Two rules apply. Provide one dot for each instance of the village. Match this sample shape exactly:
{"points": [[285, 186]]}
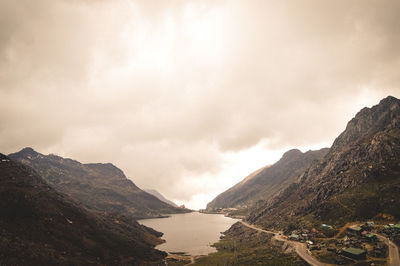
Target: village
{"points": [[351, 244]]}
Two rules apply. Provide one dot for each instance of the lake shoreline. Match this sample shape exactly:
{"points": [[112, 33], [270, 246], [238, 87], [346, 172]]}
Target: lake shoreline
{"points": [[190, 234]]}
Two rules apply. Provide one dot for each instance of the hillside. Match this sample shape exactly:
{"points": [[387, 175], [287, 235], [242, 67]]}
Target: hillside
{"points": [[359, 178], [101, 187], [265, 182], [160, 196], [39, 226]]}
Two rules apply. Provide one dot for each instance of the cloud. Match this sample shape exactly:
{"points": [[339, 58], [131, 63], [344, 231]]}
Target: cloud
{"points": [[166, 90]]}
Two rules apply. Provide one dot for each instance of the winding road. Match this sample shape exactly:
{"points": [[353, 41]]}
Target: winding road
{"points": [[300, 248], [305, 254], [394, 259]]}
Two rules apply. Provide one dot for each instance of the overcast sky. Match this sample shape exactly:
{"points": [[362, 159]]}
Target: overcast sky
{"points": [[188, 97]]}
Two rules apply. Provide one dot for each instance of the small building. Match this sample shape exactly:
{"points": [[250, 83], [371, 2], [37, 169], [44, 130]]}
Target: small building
{"points": [[356, 229], [314, 247], [331, 249], [326, 226], [370, 224], [294, 237], [354, 253], [371, 237]]}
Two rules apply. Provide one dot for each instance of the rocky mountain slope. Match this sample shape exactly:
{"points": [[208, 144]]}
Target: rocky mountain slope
{"points": [[359, 178], [101, 187], [265, 182], [160, 196], [39, 226]]}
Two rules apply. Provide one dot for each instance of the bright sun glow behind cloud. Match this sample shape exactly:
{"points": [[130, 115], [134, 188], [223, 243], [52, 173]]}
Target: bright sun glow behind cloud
{"points": [[198, 36], [209, 31]]}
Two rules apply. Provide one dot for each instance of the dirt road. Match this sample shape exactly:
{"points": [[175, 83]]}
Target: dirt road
{"points": [[300, 248], [305, 254], [393, 259]]}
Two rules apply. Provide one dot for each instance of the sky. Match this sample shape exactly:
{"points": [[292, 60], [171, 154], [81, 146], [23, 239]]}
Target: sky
{"points": [[189, 97]]}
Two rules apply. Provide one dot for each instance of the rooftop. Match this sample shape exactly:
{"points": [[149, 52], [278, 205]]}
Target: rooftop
{"points": [[355, 251]]}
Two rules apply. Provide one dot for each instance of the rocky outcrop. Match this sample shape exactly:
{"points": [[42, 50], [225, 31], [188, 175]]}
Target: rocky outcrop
{"points": [[358, 179], [264, 183], [102, 187]]}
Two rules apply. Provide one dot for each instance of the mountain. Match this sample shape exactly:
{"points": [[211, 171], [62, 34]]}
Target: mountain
{"points": [[359, 178], [101, 187], [39, 226], [160, 196], [265, 182]]}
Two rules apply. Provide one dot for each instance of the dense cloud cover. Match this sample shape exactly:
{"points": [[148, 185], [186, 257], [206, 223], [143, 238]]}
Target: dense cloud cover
{"points": [[178, 93]]}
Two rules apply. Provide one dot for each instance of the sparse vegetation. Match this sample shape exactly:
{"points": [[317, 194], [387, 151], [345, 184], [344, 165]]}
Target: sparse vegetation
{"points": [[40, 226], [101, 187], [244, 246]]}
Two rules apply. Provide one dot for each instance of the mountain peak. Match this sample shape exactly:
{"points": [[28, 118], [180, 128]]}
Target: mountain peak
{"points": [[385, 115], [291, 153], [28, 151], [389, 100]]}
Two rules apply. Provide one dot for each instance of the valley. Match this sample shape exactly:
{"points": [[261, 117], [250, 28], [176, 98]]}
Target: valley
{"points": [[357, 179], [333, 206], [199, 132]]}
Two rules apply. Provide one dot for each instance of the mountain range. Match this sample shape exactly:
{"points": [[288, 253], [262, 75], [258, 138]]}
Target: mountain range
{"points": [[357, 179], [101, 187], [265, 182], [58, 211], [40, 226]]}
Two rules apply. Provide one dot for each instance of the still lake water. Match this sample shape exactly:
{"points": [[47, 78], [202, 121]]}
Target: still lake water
{"points": [[192, 233]]}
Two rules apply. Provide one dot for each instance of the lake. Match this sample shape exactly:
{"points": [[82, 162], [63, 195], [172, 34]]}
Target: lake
{"points": [[192, 233]]}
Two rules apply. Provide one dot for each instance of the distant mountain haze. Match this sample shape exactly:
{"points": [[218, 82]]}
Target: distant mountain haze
{"points": [[102, 187], [40, 226], [358, 179], [160, 196], [265, 182]]}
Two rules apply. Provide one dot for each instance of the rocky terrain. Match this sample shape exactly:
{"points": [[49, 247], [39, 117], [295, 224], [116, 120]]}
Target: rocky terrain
{"points": [[359, 178], [101, 187], [39, 226], [264, 183], [160, 196]]}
